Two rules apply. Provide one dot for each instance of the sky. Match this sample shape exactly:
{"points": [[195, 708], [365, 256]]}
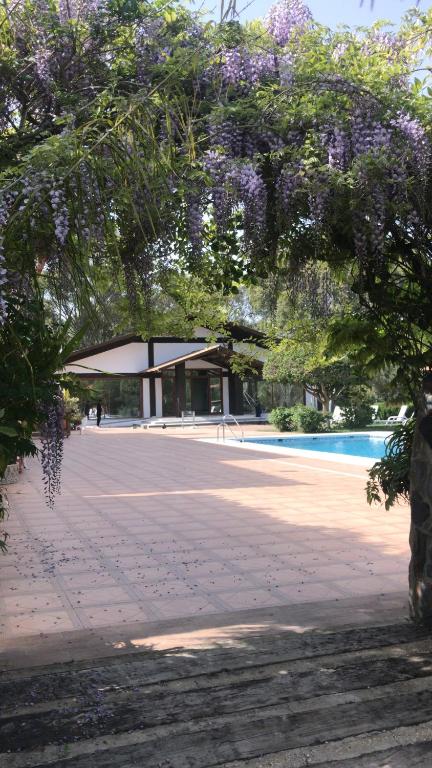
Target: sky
{"points": [[332, 12]]}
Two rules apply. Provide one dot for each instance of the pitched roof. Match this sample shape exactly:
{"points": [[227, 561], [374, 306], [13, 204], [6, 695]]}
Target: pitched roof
{"points": [[218, 354], [199, 353], [234, 330], [104, 346]]}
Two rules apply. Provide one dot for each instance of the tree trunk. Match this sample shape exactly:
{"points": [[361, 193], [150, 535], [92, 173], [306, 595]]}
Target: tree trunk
{"points": [[324, 400], [420, 569]]}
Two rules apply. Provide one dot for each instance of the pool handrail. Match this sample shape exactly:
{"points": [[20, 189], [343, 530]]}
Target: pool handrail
{"points": [[224, 424]]}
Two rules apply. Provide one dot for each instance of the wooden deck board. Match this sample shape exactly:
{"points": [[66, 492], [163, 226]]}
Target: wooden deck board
{"points": [[271, 700]]}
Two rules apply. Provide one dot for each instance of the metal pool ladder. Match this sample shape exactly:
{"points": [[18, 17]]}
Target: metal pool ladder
{"points": [[225, 424]]}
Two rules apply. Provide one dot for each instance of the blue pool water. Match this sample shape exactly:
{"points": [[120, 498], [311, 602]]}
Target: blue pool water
{"points": [[350, 445]]}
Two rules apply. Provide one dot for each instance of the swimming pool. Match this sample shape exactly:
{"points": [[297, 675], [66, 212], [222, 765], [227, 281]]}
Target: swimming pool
{"points": [[356, 445]]}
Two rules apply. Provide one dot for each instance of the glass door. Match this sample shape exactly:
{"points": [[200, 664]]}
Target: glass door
{"points": [[168, 393], [199, 395], [215, 387]]}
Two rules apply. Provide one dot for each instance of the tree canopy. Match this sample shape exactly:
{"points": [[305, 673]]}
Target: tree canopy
{"points": [[138, 139]]}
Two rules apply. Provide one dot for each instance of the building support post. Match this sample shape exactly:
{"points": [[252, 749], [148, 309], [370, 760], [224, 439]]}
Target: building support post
{"points": [[235, 388], [180, 388], [152, 385]]}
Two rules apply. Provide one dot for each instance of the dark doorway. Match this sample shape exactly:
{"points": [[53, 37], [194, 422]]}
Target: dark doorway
{"points": [[200, 395]]}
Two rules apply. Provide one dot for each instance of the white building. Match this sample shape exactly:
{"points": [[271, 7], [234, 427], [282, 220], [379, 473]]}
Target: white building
{"points": [[163, 376]]}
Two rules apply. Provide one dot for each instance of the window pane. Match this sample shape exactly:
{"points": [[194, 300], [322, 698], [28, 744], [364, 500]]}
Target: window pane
{"points": [[168, 394], [215, 394], [249, 395], [120, 397]]}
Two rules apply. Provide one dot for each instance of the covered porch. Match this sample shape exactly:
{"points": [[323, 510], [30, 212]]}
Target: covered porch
{"points": [[200, 382]]}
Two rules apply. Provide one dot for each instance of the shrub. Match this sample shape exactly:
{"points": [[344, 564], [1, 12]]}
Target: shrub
{"points": [[357, 415], [390, 478], [71, 408], [282, 419], [306, 419]]}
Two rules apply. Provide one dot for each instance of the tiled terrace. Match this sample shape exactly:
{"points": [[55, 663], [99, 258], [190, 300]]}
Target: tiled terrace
{"points": [[154, 526]]}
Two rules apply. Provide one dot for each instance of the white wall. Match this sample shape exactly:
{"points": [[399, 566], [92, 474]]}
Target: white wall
{"points": [[158, 391], [169, 350], [225, 394], [130, 358], [146, 398], [311, 401]]}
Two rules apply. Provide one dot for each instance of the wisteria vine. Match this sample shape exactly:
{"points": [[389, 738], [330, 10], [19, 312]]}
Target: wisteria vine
{"points": [[51, 453]]}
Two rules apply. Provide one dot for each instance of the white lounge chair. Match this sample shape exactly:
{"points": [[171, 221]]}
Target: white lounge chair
{"points": [[337, 415], [400, 418]]}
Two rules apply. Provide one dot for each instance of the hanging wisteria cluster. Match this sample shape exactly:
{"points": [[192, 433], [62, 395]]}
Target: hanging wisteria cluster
{"points": [[3, 271], [240, 66], [365, 138], [60, 213], [249, 190], [388, 43], [415, 134], [236, 149], [287, 18], [51, 453]]}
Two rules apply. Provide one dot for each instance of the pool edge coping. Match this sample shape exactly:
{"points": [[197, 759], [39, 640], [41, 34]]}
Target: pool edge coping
{"points": [[338, 458]]}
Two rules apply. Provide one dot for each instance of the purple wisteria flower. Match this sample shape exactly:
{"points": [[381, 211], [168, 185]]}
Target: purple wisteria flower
{"points": [[217, 166], [235, 66], [42, 58], [67, 10], [337, 143], [413, 131], [384, 42], [194, 222], [3, 271], [286, 17], [51, 454], [369, 135], [70, 10], [339, 51], [260, 66], [318, 201], [287, 186], [227, 135], [60, 214], [250, 191]]}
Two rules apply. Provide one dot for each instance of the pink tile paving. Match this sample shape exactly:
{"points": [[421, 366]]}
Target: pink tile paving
{"points": [[153, 526]]}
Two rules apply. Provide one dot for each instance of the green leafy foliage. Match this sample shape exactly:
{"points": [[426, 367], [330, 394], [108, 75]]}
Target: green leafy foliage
{"points": [[308, 419], [357, 415], [303, 360], [390, 478], [71, 408], [282, 419], [32, 354], [299, 418]]}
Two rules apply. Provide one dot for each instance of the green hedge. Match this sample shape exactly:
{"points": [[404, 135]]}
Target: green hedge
{"points": [[300, 418], [282, 419], [358, 415]]}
